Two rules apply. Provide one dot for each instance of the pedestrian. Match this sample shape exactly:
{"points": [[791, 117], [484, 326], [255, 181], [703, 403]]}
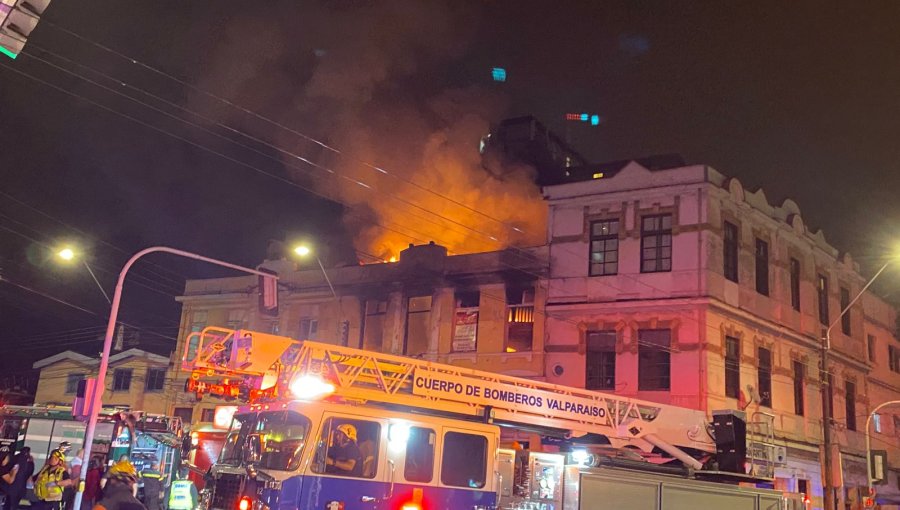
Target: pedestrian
{"points": [[7, 473], [91, 485], [152, 479], [120, 489], [24, 468], [50, 482], [75, 473]]}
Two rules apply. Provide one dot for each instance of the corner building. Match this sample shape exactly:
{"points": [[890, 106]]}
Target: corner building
{"points": [[674, 285], [680, 286]]}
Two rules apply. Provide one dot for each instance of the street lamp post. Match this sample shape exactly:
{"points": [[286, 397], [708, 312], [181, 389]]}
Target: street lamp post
{"points": [[869, 441], [107, 344], [826, 401], [303, 251], [68, 254]]}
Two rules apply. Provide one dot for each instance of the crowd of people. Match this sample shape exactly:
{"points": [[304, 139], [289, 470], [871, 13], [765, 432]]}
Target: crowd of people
{"points": [[54, 486]]}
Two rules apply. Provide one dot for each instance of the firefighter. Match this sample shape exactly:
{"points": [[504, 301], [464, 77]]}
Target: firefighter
{"points": [[344, 456], [120, 489], [182, 494], [50, 482], [152, 479]]}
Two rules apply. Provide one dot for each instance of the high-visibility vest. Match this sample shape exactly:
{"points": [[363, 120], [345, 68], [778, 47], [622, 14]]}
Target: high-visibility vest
{"points": [[180, 498]]}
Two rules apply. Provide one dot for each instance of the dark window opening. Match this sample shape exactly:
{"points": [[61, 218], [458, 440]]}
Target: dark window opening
{"points": [[850, 401], [656, 243], [762, 267], [870, 347], [464, 462], [309, 328], [654, 358], [72, 381], [373, 337], [799, 398], [795, 284], [604, 247], [418, 325], [601, 360], [732, 367], [156, 379], [122, 379], [764, 379], [845, 319], [822, 292], [730, 252], [208, 415], [185, 413]]}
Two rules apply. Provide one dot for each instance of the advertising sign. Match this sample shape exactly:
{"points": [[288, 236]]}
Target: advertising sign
{"points": [[465, 330]]}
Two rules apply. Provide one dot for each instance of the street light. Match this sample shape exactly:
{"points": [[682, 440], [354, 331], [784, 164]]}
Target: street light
{"points": [[869, 441], [107, 342], [303, 251], [826, 402], [68, 254]]}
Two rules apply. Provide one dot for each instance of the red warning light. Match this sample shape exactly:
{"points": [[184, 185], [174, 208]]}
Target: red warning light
{"points": [[244, 503]]}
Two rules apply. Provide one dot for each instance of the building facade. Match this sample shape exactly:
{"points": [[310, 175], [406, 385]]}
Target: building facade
{"points": [[674, 285], [137, 380]]}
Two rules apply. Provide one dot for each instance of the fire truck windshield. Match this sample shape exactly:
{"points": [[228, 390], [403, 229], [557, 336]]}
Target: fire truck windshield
{"points": [[282, 436]]}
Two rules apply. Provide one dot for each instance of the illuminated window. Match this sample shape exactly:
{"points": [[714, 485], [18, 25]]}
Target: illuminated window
{"points": [[656, 243], [419, 463], [876, 422], [604, 247], [498, 74], [519, 318], [654, 359]]}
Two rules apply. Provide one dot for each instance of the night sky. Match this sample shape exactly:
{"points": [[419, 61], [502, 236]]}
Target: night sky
{"points": [[800, 99]]}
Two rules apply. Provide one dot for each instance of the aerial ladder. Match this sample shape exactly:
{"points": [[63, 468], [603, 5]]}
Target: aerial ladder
{"points": [[261, 368]]}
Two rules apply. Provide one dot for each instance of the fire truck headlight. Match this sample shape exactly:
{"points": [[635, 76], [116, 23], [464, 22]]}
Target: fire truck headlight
{"points": [[398, 435], [580, 456], [309, 387]]}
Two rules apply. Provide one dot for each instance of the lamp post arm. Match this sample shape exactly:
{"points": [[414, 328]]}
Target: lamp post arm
{"points": [[853, 301], [108, 339], [91, 272]]}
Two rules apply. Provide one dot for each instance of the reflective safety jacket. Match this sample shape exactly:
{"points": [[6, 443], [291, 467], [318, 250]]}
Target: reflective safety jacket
{"points": [[183, 495]]}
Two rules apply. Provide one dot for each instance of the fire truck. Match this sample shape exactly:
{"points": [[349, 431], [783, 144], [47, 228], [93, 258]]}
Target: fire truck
{"points": [[327, 427]]}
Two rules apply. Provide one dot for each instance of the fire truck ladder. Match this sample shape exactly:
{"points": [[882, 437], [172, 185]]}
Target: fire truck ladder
{"points": [[259, 366]]}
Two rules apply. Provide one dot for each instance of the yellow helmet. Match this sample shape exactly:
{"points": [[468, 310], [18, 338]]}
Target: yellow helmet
{"points": [[348, 430], [58, 454], [123, 469]]}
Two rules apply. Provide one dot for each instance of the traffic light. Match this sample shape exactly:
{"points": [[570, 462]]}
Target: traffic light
{"points": [[17, 19]]}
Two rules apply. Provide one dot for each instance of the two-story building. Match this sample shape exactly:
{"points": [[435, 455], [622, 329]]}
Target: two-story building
{"points": [[137, 379]]}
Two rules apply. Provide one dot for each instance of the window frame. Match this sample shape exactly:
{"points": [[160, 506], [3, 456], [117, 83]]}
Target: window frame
{"points": [[764, 368], [324, 438], [822, 298], [845, 302], [453, 469], [207, 413], [850, 404], [654, 356], [795, 275], [659, 235], [799, 372], [603, 359], [115, 379], [871, 347], [430, 463], [731, 251], [149, 379], [761, 263], [71, 378], [605, 239], [521, 307], [732, 367]]}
